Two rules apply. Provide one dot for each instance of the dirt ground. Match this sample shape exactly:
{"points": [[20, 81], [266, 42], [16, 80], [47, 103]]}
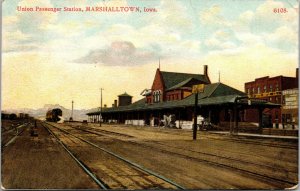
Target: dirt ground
{"points": [[211, 162], [40, 163], [171, 152]]}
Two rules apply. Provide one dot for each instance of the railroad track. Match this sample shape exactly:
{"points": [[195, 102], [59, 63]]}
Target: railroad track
{"points": [[224, 138], [258, 142], [84, 128], [217, 160], [234, 139], [147, 178], [9, 136], [209, 136]]}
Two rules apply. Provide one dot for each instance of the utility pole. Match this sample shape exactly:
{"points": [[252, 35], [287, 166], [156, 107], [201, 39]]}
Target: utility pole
{"points": [[72, 111], [100, 117], [195, 117]]}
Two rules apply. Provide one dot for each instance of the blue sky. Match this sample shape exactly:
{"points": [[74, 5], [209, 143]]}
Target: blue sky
{"points": [[241, 39]]}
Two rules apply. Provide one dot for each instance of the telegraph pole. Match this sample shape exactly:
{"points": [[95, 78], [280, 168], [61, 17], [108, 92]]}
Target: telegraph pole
{"points": [[100, 117], [195, 117], [72, 111]]}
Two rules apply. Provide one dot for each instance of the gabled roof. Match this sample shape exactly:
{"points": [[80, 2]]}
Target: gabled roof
{"points": [[214, 94], [182, 84], [220, 89], [173, 78]]}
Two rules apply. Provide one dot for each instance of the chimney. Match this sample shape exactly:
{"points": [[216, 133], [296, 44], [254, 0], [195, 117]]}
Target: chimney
{"points": [[205, 70], [105, 106], [116, 103]]}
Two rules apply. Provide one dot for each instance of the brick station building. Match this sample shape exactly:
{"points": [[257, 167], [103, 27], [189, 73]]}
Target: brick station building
{"points": [[171, 94], [269, 89]]}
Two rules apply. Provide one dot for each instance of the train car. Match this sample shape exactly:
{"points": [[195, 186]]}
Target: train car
{"points": [[53, 115]]}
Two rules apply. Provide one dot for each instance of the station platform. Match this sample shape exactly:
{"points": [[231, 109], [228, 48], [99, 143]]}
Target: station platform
{"points": [[252, 135]]}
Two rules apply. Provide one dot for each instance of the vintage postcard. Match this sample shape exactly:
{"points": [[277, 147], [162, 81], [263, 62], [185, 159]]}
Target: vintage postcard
{"points": [[149, 94]]}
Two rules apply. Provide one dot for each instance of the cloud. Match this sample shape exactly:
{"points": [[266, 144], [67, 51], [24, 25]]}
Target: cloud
{"points": [[171, 16], [119, 53], [114, 3], [248, 39], [10, 20], [284, 34], [213, 17], [25, 30], [33, 21], [283, 37], [221, 39], [239, 65], [268, 20]]}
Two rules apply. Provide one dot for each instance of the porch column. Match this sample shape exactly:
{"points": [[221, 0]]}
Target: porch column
{"points": [[230, 121], [236, 119], [179, 126], [260, 122]]}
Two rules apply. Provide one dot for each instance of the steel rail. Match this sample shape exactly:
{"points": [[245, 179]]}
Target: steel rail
{"points": [[203, 160], [99, 182], [96, 131], [193, 151], [18, 133], [269, 144], [125, 160], [13, 129]]}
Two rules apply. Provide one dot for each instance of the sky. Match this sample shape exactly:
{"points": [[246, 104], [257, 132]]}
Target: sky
{"points": [[56, 57]]}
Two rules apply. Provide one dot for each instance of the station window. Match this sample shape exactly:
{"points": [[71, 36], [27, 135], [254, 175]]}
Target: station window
{"points": [[159, 96], [265, 88], [277, 87], [258, 90], [156, 96], [271, 88]]}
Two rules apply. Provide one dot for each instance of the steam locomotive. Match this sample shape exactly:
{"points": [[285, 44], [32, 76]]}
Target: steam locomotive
{"points": [[53, 115]]}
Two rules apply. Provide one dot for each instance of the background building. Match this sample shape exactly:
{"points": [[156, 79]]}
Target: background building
{"points": [[269, 89], [290, 108]]}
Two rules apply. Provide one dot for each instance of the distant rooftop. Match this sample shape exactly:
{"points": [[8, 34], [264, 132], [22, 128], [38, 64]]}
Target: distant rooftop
{"points": [[124, 95]]}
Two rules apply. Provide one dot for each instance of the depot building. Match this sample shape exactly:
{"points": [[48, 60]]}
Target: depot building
{"points": [[171, 95]]}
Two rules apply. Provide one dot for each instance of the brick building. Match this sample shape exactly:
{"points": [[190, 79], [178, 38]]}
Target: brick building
{"points": [[269, 89], [169, 86], [171, 96]]}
